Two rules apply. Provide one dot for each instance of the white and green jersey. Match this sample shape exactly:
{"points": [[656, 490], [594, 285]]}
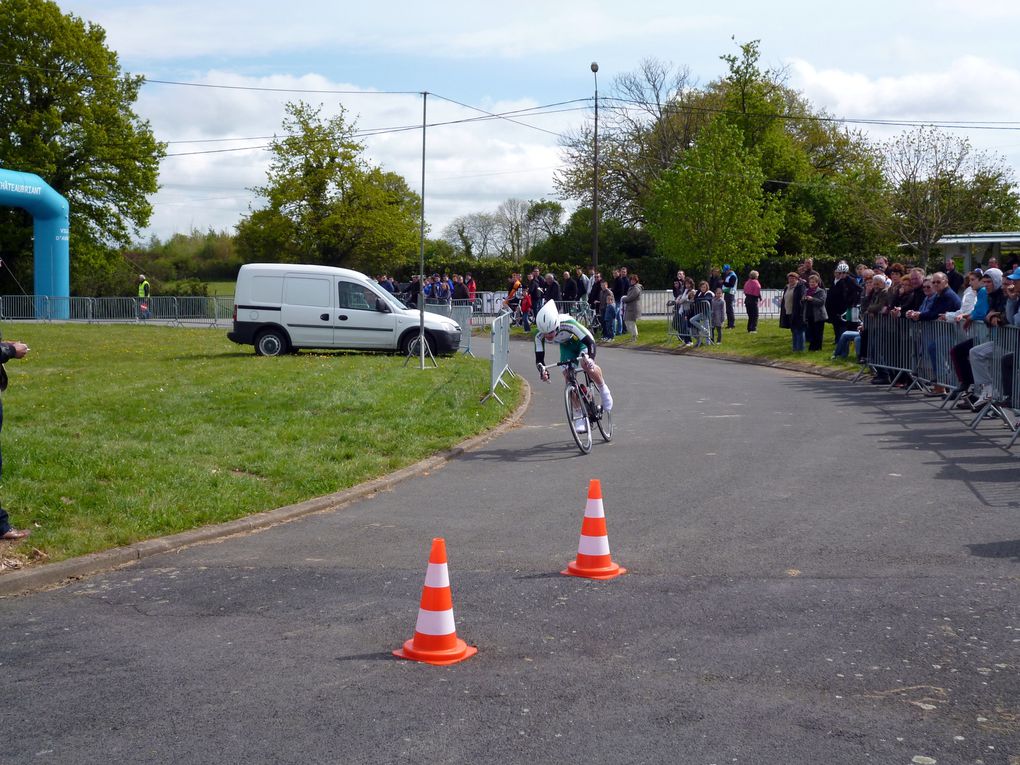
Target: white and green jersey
{"points": [[572, 338]]}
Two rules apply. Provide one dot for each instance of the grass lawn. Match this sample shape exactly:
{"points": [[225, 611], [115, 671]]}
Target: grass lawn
{"points": [[217, 289], [115, 434], [770, 342]]}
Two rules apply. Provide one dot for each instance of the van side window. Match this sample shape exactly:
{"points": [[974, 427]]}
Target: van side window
{"points": [[267, 289], [300, 290], [356, 296]]}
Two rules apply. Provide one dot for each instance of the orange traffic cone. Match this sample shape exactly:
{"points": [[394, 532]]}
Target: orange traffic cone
{"points": [[593, 559], [435, 636]]}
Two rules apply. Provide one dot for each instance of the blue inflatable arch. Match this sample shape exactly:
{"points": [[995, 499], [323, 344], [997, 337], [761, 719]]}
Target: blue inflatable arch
{"points": [[52, 230]]}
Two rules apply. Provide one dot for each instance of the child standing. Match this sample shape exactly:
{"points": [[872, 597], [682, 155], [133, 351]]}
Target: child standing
{"points": [[718, 315]]}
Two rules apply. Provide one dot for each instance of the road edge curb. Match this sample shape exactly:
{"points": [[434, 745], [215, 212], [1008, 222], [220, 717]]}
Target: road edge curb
{"points": [[34, 578]]}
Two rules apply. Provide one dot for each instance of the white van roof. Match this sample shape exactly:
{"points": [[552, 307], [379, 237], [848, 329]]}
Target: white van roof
{"points": [[299, 268]]}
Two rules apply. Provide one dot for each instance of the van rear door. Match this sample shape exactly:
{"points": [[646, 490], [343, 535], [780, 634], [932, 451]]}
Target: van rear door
{"points": [[364, 318], [307, 310]]}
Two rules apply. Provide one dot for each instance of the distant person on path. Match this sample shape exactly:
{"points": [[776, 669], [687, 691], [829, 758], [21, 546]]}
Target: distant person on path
{"points": [[144, 294], [752, 295], [815, 316], [718, 315], [621, 285], [729, 288], [8, 351], [791, 309], [608, 303], [632, 306]]}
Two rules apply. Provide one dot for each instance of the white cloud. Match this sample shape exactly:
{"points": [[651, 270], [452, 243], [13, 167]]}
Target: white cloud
{"points": [[968, 89], [470, 167], [451, 28]]}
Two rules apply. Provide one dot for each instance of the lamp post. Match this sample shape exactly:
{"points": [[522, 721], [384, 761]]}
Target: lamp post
{"points": [[595, 188]]}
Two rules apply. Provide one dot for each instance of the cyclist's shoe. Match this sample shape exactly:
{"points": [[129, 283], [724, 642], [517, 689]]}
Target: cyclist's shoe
{"points": [[607, 399], [581, 425]]}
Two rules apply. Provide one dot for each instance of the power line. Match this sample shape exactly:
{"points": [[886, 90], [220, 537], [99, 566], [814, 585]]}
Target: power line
{"points": [[488, 116], [1011, 125]]}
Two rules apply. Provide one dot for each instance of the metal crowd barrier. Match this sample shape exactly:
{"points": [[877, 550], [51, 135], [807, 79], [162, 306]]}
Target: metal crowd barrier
{"points": [[922, 350], [1005, 368], [162, 309], [458, 310], [691, 326], [488, 305], [500, 356]]}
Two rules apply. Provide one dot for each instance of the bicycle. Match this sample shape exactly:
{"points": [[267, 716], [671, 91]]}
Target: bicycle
{"points": [[514, 307], [586, 316], [582, 408]]}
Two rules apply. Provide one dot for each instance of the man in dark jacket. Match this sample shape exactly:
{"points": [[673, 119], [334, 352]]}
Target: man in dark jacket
{"points": [[841, 297], [552, 289], [569, 288], [955, 277], [535, 284], [621, 285], [729, 288]]}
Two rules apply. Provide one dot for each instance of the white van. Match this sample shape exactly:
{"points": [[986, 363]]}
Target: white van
{"points": [[280, 308]]}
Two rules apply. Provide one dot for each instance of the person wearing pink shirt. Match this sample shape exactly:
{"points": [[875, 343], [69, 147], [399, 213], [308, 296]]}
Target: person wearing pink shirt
{"points": [[752, 295]]}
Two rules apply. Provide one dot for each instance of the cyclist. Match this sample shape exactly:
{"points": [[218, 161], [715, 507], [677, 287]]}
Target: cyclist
{"points": [[576, 344]]}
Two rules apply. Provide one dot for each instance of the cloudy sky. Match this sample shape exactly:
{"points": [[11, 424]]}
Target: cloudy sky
{"points": [[953, 60]]}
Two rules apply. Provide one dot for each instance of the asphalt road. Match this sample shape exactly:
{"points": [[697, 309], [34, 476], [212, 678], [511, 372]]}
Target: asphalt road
{"points": [[818, 573]]}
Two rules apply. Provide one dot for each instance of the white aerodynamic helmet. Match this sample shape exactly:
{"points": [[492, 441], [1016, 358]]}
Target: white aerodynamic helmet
{"points": [[548, 319]]}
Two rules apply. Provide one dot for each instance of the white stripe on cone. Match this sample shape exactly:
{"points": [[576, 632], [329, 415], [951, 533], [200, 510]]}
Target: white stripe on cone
{"points": [[437, 575], [593, 545], [593, 509], [435, 622]]}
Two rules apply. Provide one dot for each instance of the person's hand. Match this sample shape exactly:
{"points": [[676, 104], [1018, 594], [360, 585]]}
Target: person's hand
{"points": [[20, 349]]}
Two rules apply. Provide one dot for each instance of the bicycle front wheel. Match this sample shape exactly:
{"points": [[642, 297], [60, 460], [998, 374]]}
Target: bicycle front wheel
{"points": [[577, 419]]}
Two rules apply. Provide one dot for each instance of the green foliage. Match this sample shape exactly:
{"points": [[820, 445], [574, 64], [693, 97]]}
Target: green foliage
{"points": [[619, 244], [66, 114], [710, 209], [185, 287], [325, 204], [936, 185]]}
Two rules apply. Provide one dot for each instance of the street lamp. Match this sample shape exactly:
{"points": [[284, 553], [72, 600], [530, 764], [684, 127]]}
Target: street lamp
{"points": [[595, 189]]}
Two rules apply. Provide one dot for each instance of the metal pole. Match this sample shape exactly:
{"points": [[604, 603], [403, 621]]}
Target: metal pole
{"points": [[421, 240], [595, 195]]}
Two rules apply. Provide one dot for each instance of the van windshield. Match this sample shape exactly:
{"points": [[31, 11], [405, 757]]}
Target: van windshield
{"points": [[393, 302]]}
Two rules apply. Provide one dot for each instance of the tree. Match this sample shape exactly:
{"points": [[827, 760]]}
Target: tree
{"points": [[473, 234], [650, 118], [66, 114], [514, 229], [937, 186], [326, 204], [710, 208]]}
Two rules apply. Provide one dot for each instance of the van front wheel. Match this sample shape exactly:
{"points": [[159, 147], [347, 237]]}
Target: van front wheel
{"points": [[409, 344], [270, 342]]}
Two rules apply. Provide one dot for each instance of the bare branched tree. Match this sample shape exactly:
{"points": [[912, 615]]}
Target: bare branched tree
{"points": [[649, 119], [939, 186]]}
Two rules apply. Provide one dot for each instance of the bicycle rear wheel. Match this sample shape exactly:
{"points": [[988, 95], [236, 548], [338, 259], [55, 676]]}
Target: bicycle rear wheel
{"points": [[577, 418]]}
